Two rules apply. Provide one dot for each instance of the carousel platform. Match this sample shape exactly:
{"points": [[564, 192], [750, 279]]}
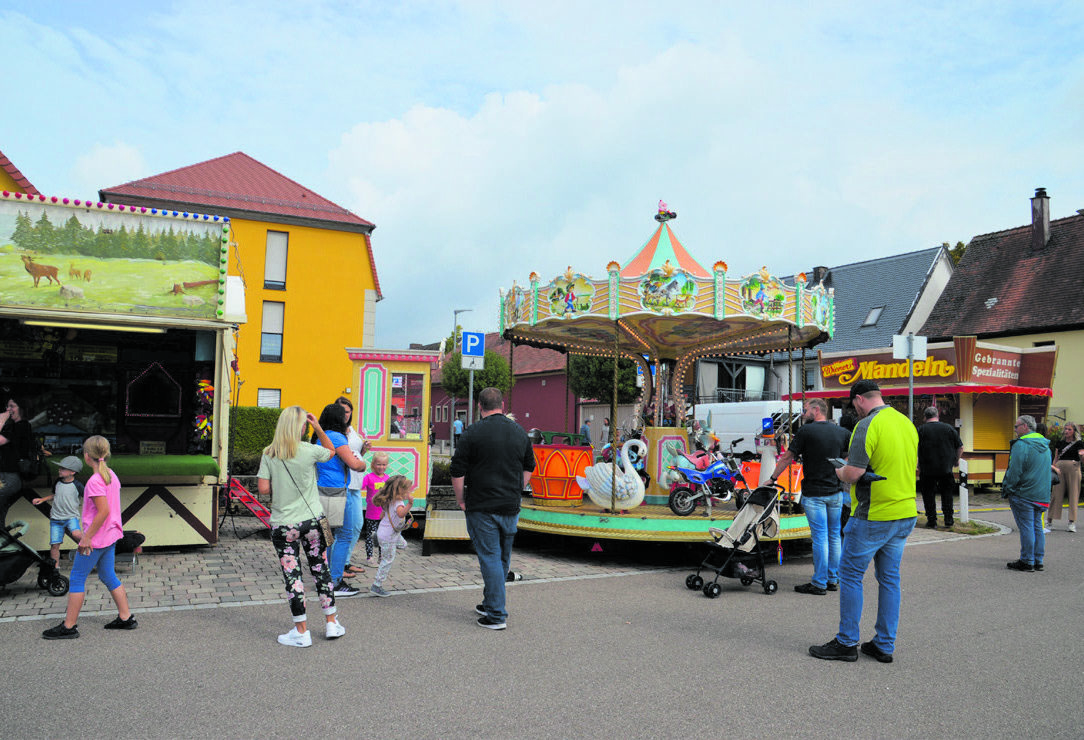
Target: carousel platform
{"points": [[647, 522]]}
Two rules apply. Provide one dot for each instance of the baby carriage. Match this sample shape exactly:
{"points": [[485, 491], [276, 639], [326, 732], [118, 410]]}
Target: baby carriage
{"points": [[735, 552], [16, 556]]}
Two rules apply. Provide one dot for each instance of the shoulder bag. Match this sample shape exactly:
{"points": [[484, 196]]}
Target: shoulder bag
{"points": [[325, 526]]}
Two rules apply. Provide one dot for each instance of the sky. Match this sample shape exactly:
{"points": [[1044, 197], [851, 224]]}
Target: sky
{"points": [[491, 139]]}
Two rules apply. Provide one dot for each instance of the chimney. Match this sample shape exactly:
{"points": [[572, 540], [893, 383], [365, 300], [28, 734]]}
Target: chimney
{"points": [[1040, 219], [820, 274]]}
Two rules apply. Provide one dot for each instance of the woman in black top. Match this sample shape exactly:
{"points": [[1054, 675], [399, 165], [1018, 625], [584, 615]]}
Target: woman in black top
{"points": [[1067, 464], [15, 439]]}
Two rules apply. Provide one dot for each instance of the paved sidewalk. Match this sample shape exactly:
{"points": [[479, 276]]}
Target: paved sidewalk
{"points": [[245, 571]]}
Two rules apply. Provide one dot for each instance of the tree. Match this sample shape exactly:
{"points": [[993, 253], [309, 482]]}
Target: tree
{"points": [[593, 377], [955, 252], [456, 381]]}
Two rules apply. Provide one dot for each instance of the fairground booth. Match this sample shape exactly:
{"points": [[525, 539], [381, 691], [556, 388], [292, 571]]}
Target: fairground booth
{"points": [[979, 387], [119, 321]]}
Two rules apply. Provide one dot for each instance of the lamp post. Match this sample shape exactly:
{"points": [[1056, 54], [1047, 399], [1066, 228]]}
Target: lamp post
{"points": [[455, 338]]}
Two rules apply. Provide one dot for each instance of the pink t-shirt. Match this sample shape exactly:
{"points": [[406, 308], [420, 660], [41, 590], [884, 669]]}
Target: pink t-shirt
{"points": [[112, 529], [371, 484]]}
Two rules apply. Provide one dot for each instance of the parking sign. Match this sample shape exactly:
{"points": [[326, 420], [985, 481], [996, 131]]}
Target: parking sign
{"points": [[474, 344]]}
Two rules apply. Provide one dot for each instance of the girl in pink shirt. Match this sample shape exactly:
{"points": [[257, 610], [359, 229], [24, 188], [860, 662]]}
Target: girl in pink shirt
{"points": [[101, 530], [371, 485]]}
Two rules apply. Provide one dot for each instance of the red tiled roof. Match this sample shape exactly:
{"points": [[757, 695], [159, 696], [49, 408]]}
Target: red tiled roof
{"points": [[527, 360], [237, 182], [1002, 286], [19, 178]]}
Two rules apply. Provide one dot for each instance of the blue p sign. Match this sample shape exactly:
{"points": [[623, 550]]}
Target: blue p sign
{"points": [[474, 344]]}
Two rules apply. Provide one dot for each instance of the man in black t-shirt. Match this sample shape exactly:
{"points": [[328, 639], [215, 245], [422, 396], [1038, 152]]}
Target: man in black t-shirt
{"points": [[939, 450], [815, 442]]}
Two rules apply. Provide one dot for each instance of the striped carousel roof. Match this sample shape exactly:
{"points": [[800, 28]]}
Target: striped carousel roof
{"points": [[663, 246]]}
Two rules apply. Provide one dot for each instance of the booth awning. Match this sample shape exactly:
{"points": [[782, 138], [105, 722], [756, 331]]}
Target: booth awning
{"points": [[931, 390]]}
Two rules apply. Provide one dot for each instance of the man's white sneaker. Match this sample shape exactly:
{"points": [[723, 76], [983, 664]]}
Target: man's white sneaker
{"points": [[1072, 526], [334, 629], [293, 638]]}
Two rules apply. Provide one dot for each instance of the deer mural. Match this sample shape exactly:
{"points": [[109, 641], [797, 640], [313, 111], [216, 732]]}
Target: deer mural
{"points": [[74, 273], [86, 274], [40, 271]]}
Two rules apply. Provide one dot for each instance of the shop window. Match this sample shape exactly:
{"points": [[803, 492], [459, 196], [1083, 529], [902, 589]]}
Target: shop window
{"points": [[274, 270], [271, 332], [873, 316], [269, 398], [810, 379], [992, 421]]}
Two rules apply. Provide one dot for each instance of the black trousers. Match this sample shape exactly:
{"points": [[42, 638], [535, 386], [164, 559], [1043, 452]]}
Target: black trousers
{"points": [[933, 486]]}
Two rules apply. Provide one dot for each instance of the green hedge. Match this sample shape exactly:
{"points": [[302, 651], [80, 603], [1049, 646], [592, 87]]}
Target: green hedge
{"points": [[252, 429]]}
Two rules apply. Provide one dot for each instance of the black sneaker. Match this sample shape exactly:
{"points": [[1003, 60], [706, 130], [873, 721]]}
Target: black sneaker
{"points": [[833, 650], [868, 648], [1020, 565], [490, 623], [833, 586], [809, 588], [1039, 567], [513, 576], [343, 590], [931, 524], [123, 624], [60, 632], [480, 610]]}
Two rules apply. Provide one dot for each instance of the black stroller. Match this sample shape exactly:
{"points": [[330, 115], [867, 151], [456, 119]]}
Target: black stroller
{"points": [[735, 552], [16, 556]]}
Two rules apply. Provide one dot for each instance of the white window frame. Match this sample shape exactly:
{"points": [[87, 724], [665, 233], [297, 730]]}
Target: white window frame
{"points": [[269, 398], [274, 265], [272, 323]]}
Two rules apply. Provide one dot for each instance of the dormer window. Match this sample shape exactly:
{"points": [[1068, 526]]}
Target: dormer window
{"points": [[873, 316]]}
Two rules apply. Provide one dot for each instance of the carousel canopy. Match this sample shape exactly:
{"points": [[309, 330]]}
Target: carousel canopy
{"points": [[663, 305]]}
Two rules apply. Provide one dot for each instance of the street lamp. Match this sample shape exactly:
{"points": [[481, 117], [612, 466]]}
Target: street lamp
{"points": [[455, 337]]}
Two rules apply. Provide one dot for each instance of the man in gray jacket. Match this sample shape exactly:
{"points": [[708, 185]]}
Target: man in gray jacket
{"points": [[1027, 486]]}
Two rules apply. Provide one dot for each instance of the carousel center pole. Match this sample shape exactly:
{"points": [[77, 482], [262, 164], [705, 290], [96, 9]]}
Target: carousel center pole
{"points": [[614, 452]]}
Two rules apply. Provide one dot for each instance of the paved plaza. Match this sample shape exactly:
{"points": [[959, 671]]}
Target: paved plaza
{"points": [[598, 645]]}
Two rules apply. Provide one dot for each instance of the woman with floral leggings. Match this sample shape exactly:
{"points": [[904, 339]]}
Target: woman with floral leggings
{"points": [[288, 473]]}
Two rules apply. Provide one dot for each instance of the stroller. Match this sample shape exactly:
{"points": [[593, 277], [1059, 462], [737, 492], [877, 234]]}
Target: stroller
{"points": [[731, 551], [16, 556]]}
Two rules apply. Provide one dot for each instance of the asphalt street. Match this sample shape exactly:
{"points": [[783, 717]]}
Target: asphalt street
{"points": [[982, 652]]}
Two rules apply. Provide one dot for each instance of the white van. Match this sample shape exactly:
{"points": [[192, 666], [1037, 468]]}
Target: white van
{"points": [[731, 421]]}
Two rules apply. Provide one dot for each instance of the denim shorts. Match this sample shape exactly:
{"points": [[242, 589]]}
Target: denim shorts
{"points": [[57, 528]]}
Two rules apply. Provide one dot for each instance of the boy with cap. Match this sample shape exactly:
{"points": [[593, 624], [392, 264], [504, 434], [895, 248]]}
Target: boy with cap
{"points": [[67, 505]]}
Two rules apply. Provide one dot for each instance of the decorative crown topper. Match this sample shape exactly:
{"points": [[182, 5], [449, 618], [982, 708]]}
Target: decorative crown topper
{"points": [[667, 269], [801, 277], [533, 277], [569, 276], [613, 266], [719, 266]]}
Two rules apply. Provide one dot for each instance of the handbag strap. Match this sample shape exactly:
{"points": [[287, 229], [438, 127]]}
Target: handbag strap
{"points": [[299, 493]]}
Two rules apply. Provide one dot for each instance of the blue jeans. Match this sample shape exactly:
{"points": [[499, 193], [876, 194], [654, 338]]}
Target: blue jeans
{"points": [[881, 542], [492, 536], [1029, 521], [347, 535], [822, 513]]}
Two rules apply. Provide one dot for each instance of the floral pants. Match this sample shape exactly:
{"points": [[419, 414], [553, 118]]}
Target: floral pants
{"points": [[290, 542]]}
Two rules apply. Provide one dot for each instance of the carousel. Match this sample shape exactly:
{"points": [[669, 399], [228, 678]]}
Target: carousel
{"points": [[664, 311]]}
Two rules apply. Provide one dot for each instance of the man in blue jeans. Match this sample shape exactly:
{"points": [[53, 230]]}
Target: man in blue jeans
{"points": [[883, 513], [1027, 486], [491, 467], [815, 442]]}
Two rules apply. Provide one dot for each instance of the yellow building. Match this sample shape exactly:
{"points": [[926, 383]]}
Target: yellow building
{"points": [[311, 282]]}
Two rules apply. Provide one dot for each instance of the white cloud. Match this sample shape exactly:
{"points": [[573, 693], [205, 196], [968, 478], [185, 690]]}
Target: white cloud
{"points": [[115, 164]]}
